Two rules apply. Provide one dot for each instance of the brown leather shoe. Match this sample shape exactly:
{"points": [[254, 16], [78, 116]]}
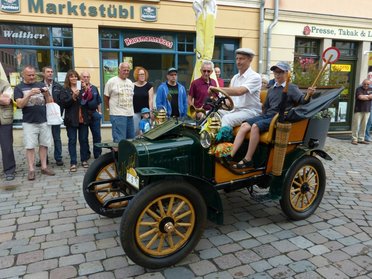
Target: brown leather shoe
{"points": [[363, 142], [31, 175], [48, 172]]}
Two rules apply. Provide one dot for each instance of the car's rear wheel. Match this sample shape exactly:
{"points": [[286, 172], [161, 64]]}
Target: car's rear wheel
{"points": [[303, 188], [163, 223], [104, 168]]}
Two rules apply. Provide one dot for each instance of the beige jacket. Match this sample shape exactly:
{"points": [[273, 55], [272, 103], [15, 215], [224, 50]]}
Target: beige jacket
{"points": [[6, 112]]}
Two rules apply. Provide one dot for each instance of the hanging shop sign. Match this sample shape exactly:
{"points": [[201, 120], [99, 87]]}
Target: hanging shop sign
{"points": [[10, 6]]}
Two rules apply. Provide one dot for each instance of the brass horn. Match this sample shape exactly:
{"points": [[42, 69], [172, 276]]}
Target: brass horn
{"points": [[194, 112]]}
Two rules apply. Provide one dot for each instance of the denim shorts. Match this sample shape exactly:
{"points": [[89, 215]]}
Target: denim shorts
{"points": [[262, 122]]}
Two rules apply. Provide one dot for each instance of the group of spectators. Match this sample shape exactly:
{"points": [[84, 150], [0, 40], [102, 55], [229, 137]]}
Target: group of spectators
{"points": [[80, 104]]}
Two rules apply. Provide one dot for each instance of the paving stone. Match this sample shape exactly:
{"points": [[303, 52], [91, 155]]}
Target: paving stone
{"points": [[63, 272], [132, 270], [301, 242], [102, 275], [179, 273], [318, 250], [114, 263], [6, 261], [83, 247], [350, 268], [284, 246], [227, 261], [260, 266], [356, 249], [30, 257], [56, 252], [302, 266], [42, 265], [336, 256], [308, 275], [90, 267], [279, 260], [71, 260], [210, 253], [266, 251], [37, 275], [152, 275], [203, 267], [220, 240], [229, 248], [331, 272]]}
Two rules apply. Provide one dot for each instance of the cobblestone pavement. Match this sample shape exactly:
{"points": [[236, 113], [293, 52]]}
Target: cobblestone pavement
{"points": [[47, 231]]}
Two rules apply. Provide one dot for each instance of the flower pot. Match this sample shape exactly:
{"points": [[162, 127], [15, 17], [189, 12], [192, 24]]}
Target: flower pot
{"points": [[316, 133]]}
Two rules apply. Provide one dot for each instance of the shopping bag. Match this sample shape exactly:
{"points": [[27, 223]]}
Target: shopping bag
{"points": [[53, 112]]}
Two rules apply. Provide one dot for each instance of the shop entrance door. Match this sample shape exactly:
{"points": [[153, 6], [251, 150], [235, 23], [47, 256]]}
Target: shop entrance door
{"points": [[342, 109]]}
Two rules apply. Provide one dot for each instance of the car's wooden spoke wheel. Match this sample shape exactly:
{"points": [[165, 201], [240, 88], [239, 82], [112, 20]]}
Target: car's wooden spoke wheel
{"points": [[165, 225], [305, 186], [106, 191]]}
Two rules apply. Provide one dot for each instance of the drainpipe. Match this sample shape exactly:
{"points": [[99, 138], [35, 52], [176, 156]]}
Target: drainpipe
{"points": [[269, 31], [261, 36]]}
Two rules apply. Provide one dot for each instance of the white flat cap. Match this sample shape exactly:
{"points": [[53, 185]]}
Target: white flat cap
{"points": [[245, 51]]}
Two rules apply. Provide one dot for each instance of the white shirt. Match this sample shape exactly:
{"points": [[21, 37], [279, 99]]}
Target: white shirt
{"points": [[251, 99], [120, 91]]}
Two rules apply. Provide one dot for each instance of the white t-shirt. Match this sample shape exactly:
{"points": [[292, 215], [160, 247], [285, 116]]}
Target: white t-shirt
{"points": [[120, 92], [251, 99]]}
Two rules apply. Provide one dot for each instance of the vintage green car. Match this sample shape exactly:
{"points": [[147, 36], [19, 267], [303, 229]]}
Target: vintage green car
{"points": [[166, 184]]}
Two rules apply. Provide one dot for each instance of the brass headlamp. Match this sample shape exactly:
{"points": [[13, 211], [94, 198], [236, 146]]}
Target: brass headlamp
{"points": [[210, 130]]}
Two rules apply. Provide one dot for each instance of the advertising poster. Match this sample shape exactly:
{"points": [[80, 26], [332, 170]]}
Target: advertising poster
{"points": [[110, 69], [342, 111]]}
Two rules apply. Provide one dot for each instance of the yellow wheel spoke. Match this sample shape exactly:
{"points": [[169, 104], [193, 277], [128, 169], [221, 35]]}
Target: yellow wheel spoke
{"points": [[153, 214], [150, 232], [151, 224], [310, 176], [151, 242], [183, 224], [109, 173], [161, 243], [302, 200], [180, 234], [297, 183], [170, 240], [296, 198], [295, 190], [161, 208], [170, 206], [182, 215], [178, 208]]}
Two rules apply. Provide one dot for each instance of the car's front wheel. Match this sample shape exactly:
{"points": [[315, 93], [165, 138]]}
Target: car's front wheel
{"points": [[303, 188], [163, 223]]}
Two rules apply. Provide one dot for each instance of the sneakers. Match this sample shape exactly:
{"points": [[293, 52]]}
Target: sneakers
{"points": [[47, 172], [9, 177]]}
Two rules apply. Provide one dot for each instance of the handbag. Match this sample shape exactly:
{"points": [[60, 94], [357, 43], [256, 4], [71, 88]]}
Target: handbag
{"points": [[53, 112]]}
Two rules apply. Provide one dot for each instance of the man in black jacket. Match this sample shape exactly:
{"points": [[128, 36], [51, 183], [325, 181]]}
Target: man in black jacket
{"points": [[55, 89]]}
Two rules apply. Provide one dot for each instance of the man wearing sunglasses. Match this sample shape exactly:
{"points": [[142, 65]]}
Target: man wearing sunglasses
{"points": [[244, 90], [199, 88]]}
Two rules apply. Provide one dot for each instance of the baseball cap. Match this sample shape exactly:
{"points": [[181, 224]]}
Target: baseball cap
{"points": [[145, 110], [282, 66], [171, 70], [245, 51]]}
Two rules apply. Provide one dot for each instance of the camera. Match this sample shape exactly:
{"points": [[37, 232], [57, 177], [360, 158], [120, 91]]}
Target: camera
{"points": [[42, 90]]}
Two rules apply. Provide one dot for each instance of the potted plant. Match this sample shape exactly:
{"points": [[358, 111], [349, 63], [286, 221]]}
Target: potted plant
{"points": [[318, 128]]}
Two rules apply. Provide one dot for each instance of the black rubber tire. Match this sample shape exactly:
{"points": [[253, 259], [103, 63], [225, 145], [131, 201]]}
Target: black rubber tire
{"points": [[310, 167], [93, 171], [137, 208]]}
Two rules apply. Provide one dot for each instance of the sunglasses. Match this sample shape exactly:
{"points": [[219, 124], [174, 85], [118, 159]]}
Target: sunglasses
{"points": [[278, 72], [207, 71]]}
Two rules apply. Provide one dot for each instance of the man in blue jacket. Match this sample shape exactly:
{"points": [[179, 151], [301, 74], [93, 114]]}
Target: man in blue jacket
{"points": [[172, 96]]}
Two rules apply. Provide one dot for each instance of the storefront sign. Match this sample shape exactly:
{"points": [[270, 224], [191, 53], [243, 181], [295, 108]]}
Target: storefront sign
{"points": [[149, 13], [110, 11], [10, 6], [22, 35], [324, 31], [148, 39]]}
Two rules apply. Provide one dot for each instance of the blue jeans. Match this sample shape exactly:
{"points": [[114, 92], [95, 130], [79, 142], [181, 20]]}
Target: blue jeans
{"points": [[56, 132], [122, 127], [95, 128], [367, 137], [72, 132]]}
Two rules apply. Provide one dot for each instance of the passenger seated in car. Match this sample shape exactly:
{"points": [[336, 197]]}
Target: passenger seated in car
{"points": [[261, 123]]}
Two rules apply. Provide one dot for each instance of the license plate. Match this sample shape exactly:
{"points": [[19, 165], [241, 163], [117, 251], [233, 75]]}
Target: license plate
{"points": [[133, 179]]}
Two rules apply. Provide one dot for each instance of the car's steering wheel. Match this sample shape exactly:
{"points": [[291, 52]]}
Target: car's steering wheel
{"points": [[220, 101]]}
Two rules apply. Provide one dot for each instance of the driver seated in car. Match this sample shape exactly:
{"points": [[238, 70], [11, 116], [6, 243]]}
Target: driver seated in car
{"points": [[244, 90], [261, 123]]}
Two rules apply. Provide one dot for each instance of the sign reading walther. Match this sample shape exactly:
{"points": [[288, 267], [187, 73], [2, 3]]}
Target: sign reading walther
{"points": [[10, 6]]}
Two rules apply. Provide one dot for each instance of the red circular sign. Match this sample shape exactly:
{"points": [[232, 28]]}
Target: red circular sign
{"points": [[331, 54]]}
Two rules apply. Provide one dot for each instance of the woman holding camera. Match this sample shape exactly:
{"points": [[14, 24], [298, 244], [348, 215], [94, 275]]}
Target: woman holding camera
{"points": [[76, 117]]}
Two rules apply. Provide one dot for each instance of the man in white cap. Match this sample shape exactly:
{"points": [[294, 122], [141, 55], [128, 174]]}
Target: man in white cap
{"points": [[244, 90], [261, 123]]}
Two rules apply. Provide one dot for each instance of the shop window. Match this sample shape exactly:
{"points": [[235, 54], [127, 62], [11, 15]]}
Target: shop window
{"points": [[347, 49], [224, 57], [186, 42], [62, 36], [110, 39], [306, 54]]}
